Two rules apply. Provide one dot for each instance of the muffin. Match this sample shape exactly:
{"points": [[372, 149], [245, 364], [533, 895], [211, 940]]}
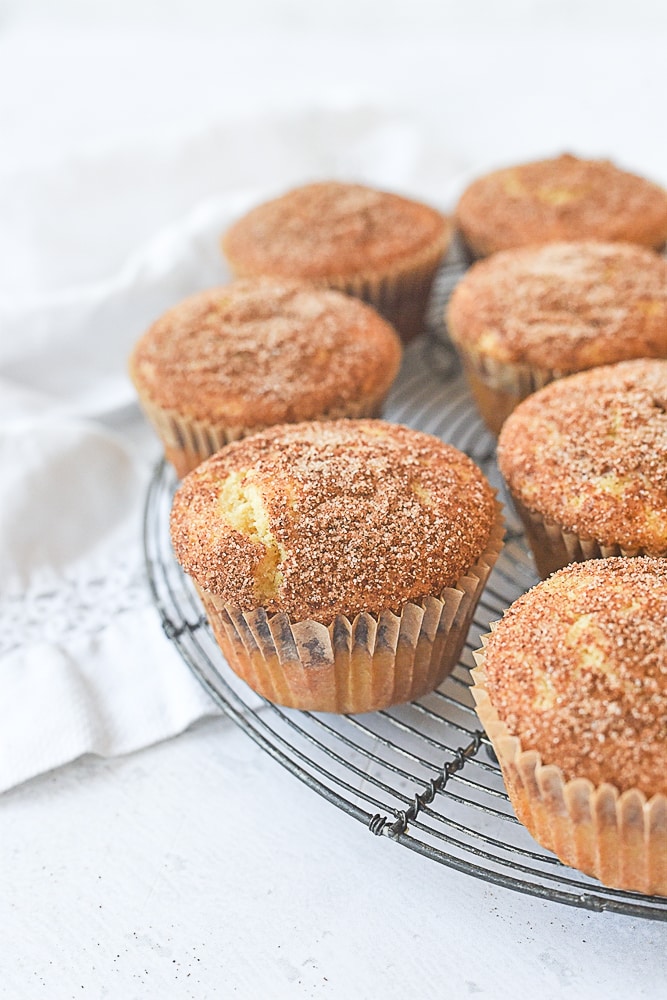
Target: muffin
{"points": [[561, 199], [585, 460], [230, 361], [377, 246], [339, 563], [571, 687], [525, 317]]}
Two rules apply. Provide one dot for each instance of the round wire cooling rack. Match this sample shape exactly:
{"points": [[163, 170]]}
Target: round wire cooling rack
{"points": [[423, 774]]}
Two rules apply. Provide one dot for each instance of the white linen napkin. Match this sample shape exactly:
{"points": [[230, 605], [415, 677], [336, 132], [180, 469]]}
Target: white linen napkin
{"points": [[93, 251]]}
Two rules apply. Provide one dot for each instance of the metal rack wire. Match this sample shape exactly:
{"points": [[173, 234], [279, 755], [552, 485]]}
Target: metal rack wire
{"points": [[421, 774]]}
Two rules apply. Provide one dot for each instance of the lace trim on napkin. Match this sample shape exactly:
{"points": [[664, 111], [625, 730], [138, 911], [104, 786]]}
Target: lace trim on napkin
{"points": [[81, 604]]}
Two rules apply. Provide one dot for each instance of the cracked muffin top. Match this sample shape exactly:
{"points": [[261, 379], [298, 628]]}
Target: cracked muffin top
{"points": [[340, 517], [564, 307], [577, 670], [589, 453]]}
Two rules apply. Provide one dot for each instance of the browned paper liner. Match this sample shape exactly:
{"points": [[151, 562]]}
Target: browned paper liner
{"points": [[401, 296], [621, 839], [553, 547], [499, 386], [187, 442], [358, 665]]}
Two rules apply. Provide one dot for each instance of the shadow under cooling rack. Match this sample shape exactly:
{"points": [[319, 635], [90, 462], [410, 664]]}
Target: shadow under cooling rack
{"points": [[422, 774]]}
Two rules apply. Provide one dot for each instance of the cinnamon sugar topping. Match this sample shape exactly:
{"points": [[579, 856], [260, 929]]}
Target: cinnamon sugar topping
{"points": [[359, 515], [577, 669], [331, 230], [565, 198], [265, 351], [589, 452], [564, 306]]}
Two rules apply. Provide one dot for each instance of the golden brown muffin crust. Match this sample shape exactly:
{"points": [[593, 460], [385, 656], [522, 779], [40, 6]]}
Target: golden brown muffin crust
{"points": [[564, 306], [565, 198], [264, 351], [577, 669], [330, 230], [589, 452], [349, 516]]}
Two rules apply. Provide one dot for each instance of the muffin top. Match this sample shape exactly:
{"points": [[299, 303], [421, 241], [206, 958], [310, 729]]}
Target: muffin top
{"points": [[577, 669], [331, 229], [339, 517], [265, 351], [561, 199], [589, 452], [564, 306]]}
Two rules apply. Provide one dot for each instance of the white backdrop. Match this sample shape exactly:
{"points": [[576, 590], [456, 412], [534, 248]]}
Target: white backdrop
{"points": [[129, 132]]}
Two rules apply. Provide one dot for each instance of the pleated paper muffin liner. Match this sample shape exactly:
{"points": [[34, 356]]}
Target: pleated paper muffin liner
{"points": [[187, 442], [353, 665], [553, 547], [620, 839], [400, 295], [499, 386]]}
